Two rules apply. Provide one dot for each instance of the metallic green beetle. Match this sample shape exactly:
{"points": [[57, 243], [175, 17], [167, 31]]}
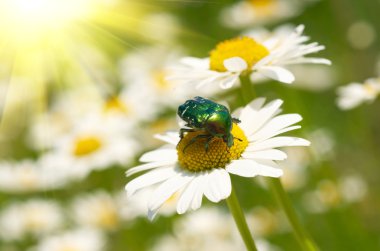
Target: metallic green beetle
{"points": [[214, 119]]}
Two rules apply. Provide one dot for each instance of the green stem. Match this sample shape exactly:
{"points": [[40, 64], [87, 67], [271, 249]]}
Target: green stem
{"points": [[247, 90], [302, 236], [241, 223]]}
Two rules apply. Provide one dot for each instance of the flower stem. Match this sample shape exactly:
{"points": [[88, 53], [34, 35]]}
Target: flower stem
{"points": [[247, 90], [241, 223], [302, 236]]}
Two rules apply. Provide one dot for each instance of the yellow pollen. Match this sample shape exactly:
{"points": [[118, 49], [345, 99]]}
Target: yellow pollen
{"points": [[195, 158], [261, 3], [160, 80], [243, 47], [86, 145], [114, 104]]}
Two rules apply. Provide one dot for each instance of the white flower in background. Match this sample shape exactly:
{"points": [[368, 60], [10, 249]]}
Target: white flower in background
{"points": [[296, 166], [97, 210], [246, 55], [355, 94], [145, 74], [137, 205], [72, 107], [263, 221], [29, 176], [195, 172], [258, 12], [93, 144], [206, 229], [330, 194], [353, 188], [34, 217], [78, 240]]}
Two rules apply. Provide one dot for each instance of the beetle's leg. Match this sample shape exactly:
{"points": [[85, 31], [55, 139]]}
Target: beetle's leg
{"points": [[207, 144], [183, 130], [192, 141], [235, 120], [238, 139]]}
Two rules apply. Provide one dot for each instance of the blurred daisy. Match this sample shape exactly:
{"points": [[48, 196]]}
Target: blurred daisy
{"points": [[148, 68], [29, 176], [257, 12], [137, 206], [206, 229], [246, 55], [35, 217], [78, 240], [94, 144], [97, 210], [354, 94], [195, 172]]}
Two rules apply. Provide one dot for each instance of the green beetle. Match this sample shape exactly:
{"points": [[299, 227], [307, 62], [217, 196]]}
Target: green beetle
{"points": [[214, 119]]}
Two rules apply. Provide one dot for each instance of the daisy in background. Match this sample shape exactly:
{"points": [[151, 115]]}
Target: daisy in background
{"points": [[28, 176], [206, 229], [193, 172], [82, 239], [258, 12], [99, 210], [355, 94], [248, 55], [35, 217], [148, 68], [93, 144]]}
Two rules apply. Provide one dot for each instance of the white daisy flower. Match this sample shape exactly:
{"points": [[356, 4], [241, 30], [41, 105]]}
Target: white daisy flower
{"points": [[195, 172], [206, 229], [29, 176], [97, 210], [93, 144], [354, 94], [148, 68], [246, 55], [258, 12], [78, 240], [35, 217]]}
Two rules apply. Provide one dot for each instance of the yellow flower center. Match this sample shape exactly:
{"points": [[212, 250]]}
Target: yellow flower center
{"points": [[243, 47], [195, 158], [114, 104], [86, 145], [261, 3], [160, 81]]}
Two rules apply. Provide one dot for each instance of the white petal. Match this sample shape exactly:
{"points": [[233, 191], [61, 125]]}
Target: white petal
{"points": [[277, 142], [200, 63], [276, 124], [166, 190], [253, 120], [187, 196], [269, 168], [251, 168], [197, 200], [169, 137], [275, 133], [161, 154], [218, 186], [235, 64], [242, 168], [148, 179], [229, 81], [272, 154], [148, 166], [277, 73]]}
